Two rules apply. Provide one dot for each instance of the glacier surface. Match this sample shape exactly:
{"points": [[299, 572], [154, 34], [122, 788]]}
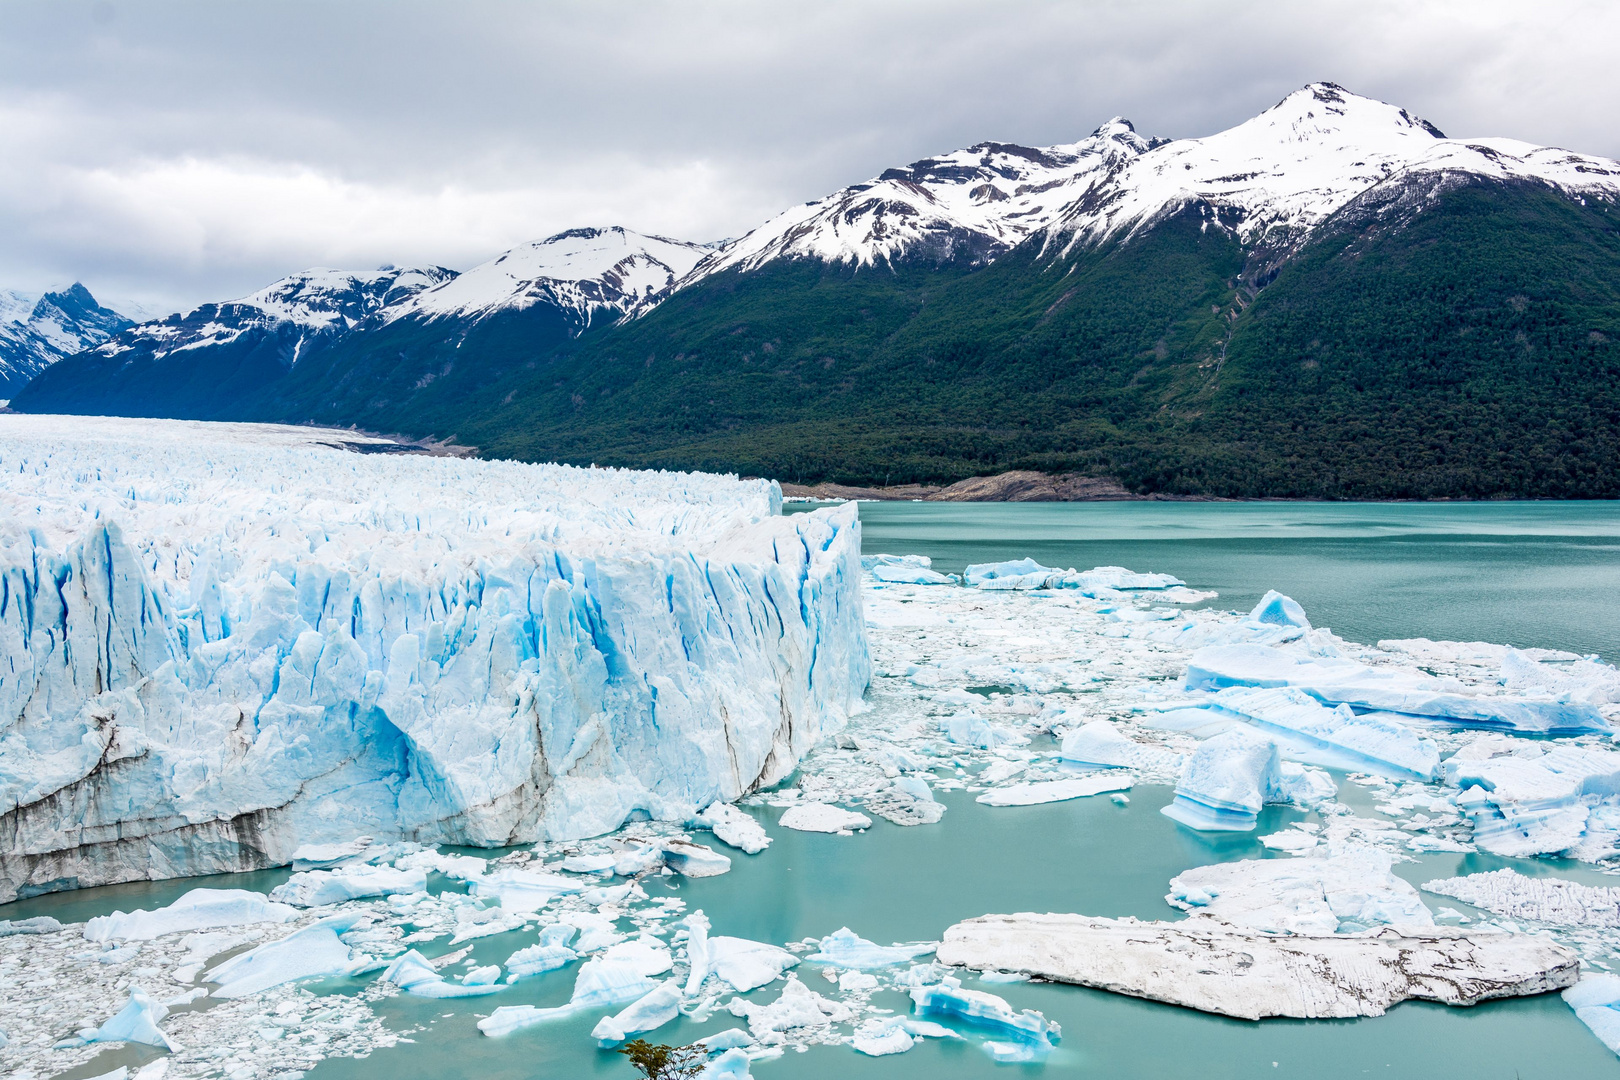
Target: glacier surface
{"points": [[219, 643]]}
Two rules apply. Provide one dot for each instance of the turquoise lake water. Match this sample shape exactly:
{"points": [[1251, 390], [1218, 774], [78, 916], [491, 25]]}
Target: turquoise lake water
{"points": [[1538, 574], [1532, 574]]}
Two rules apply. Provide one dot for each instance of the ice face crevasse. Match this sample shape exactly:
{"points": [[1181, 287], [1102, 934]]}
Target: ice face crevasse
{"points": [[221, 642]]}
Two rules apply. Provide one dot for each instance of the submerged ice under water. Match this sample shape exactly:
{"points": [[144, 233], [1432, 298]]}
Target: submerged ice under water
{"points": [[973, 693]]}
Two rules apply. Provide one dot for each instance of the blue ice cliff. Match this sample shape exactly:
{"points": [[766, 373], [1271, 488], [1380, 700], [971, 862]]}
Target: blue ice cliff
{"points": [[221, 642]]}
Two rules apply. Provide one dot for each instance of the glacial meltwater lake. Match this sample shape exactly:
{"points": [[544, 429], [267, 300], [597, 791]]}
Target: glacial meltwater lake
{"points": [[1529, 574]]}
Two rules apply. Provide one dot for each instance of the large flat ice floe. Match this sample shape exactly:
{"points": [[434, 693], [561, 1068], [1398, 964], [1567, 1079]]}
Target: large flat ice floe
{"points": [[221, 642], [1253, 975]]}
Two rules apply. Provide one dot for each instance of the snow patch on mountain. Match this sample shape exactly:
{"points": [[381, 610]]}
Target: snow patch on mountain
{"points": [[38, 330], [977, 202], [580, 271], [1275, 178], [314, 303]]}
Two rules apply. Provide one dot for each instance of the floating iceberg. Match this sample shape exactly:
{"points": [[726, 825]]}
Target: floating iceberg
{"points": [[1101, 743], [199, 909], [1596, 1001], [694, 860], [1349, 892], [415, 974], [1030, 1030], [747, 965], [1337, 681], [820, 817], [602, 981], [228, 643], [1226, 781], [522, 890], [904, 570], [137, 1021], [1244, 973], [550, 954], [647, 1013], [797, 1007], [1048, 791], [1534, 899], [1526, 801], [313, 952], [314, 888], [731, 826], [843, 948], [1024, 574], [1336, 737]]}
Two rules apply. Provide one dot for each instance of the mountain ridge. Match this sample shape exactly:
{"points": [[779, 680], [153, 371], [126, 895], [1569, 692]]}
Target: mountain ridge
{"points": [[1094, 307]]}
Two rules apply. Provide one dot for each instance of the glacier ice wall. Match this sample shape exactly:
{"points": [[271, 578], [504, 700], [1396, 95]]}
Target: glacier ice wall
{"points": [[219, 642]]}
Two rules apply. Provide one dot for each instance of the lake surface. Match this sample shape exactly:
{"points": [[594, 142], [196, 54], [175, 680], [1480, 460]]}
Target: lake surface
{"points": [[1536, 574], [1539, 574]]}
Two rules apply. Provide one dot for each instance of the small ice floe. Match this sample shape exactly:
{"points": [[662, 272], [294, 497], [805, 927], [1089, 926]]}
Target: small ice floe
{"points": [[602, 981], [843, 948], [647, 1013], [905, 570], [315, 888], [895, 1035], [1049, 791], [415, 974], [137, 1022], [797, 1007], [199, 909], [1024, 1036], [1338, 681], [823, 818], [691, 859], [1534, 899], [1307, 730], [313, 952], [1348, 892], [731, 826], [1235, 971], [550, 954], [1596, 1001], [1100, 743], [39, 924]]}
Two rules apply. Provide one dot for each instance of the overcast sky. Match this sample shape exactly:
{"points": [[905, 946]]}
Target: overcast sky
{"points": [[170, 153]]}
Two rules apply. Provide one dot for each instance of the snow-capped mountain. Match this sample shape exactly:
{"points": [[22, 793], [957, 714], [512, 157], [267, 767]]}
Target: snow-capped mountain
{"points": [[973, 203], [316, 305], [37, 331], [1272, 179], [580, 271], [1275, 178]]}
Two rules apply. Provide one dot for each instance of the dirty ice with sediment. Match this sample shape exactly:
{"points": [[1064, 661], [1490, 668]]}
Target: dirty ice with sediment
{"points": [[238, 647]]}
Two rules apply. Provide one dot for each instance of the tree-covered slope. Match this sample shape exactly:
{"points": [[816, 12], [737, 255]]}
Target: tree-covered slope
{"points": [[1464, 347]]}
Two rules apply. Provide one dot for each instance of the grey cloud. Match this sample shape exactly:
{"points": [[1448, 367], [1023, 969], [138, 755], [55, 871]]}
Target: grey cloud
{"points": [[175, 152]]}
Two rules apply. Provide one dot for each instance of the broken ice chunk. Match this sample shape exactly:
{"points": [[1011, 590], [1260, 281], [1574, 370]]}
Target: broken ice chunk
{"points": [[314, 888], [820, 817], [1337, 681], [1534, 899], [415, 974], [731, 826], [199, 909], [137, 1021], [1028, 1029], [1337, 737], [1101, 743], [797, 1007], [312, 952], [1346, 893], [1224, 783], [647, 1013], [1049, 791], [1596, 1001], [843, 948], [694, 860], [602, 981]]}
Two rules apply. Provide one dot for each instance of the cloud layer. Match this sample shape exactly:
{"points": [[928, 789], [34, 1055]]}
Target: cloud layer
{"points": [[169, 153]]}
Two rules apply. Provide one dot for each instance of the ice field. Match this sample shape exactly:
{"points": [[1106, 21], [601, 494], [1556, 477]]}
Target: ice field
{"points": [[1166, 777]]}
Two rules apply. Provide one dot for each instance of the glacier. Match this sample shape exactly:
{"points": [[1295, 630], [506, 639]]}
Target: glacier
{"points": [[222, 642]]}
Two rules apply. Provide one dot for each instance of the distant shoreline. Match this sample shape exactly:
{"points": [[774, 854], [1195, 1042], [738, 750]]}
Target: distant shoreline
{"points": [[1017, 485]]}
